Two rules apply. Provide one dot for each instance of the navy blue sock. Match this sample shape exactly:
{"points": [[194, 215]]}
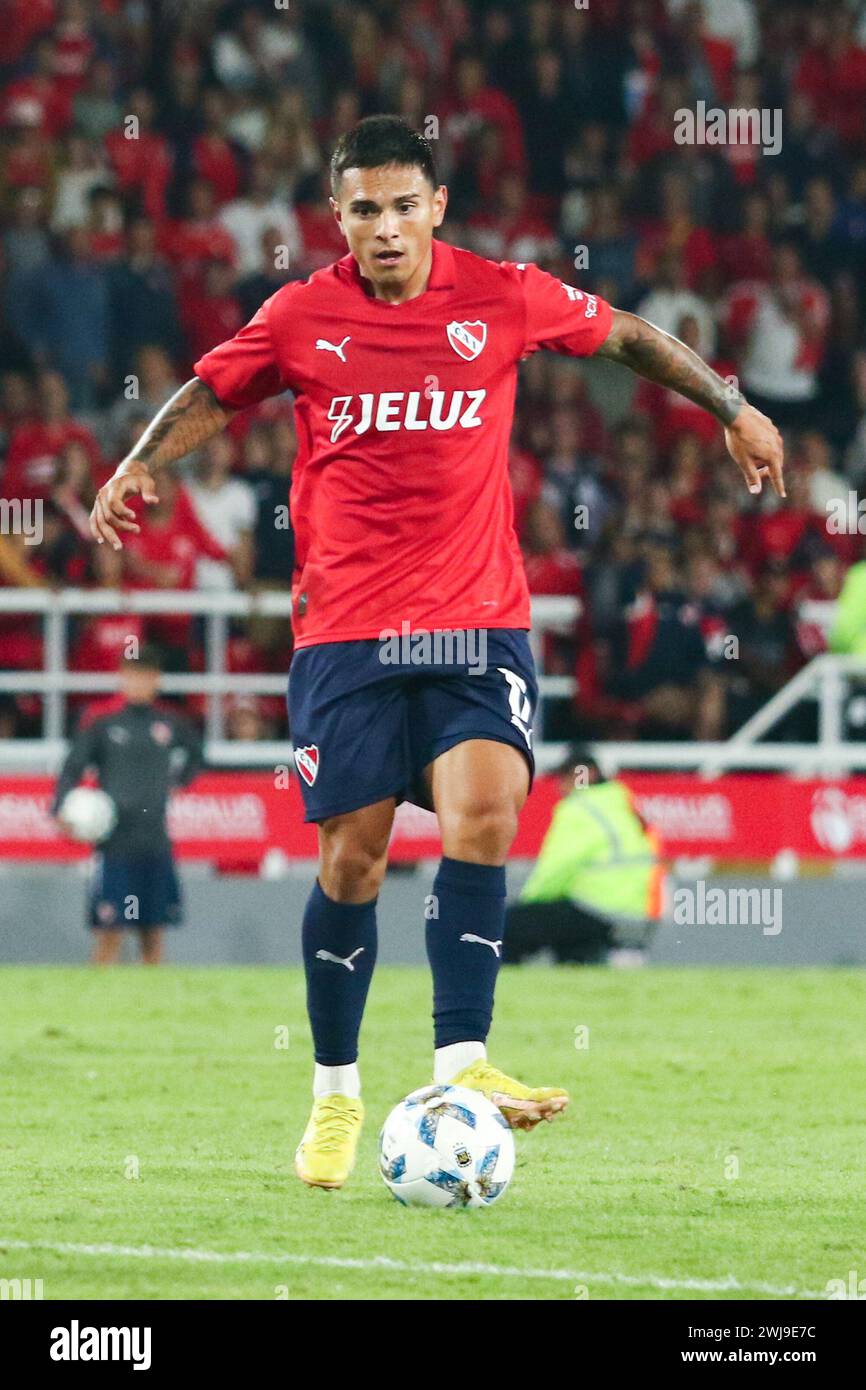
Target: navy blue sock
{"points": [[464, 946], [339, 941]]}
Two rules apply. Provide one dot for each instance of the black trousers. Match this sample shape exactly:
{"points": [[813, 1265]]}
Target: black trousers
{"points": [[573, 934]]}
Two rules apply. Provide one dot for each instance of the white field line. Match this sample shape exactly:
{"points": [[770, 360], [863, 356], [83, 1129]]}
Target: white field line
{"points": [[728, 1284]]}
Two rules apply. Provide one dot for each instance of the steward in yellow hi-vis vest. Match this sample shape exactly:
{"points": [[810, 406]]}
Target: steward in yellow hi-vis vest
{"points": [[596, 887]]}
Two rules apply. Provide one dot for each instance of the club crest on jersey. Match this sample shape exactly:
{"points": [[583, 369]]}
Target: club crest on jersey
{"points": [[467, 339], [307, 763], [160, 732]]}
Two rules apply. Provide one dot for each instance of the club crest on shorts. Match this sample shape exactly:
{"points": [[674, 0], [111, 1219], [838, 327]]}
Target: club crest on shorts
{"points": [[467, 339], [307, 763]]}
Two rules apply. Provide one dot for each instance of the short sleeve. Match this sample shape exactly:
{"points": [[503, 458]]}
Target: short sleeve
{"points": [[560, 317], [243, 370]]}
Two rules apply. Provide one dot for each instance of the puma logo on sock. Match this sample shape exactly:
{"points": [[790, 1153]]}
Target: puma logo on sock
{"points": [[339, 960], [482, 941]]}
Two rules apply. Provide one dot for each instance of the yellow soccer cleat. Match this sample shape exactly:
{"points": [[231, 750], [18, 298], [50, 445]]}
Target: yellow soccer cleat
{"points": [[522, 1106], [326, 1155]]}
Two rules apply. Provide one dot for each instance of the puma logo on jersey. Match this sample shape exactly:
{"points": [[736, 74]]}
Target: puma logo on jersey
{"points": [[340, 960], [322, 345], [482, 941], [406, 410]]}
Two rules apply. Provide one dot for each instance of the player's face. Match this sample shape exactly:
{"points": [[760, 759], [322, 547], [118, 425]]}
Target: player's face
{"points": [[387, 216], [139, 684]]}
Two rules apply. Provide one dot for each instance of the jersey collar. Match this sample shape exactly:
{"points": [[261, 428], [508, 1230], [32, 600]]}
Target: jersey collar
{"points": [[442, 273]]}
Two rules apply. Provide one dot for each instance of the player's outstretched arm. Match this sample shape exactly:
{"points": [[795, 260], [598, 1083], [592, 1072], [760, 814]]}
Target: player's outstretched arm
{"points": [[753, 441], [189, 419]]}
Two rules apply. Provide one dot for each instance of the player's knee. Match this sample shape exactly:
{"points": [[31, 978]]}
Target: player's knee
{"points": [[480, 831], [352, 870]]}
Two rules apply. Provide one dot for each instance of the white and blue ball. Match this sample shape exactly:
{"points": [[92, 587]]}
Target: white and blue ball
{"points": [[89, 814], [446, 1146]]}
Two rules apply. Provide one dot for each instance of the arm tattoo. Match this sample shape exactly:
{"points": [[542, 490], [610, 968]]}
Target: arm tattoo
{"points": [[192, 416], [659, 357]]}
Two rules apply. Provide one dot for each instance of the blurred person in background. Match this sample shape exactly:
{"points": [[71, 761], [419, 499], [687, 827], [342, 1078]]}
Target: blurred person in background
{"points": [[147, 389], [848, 633], [660, 661], [778, 334], [189, 242], [226, 507], [25, 241], [163, 555], [96, 109], [512, 230], [210, 307], [276, 270], [671, 299], [767, 655], [36, 444], [595, 892], [826, 485], [140, 751], [268, 472], [144, 308], [259, 210], [16, 403], [65, 319], [141, 156], [82, 171], [244, 719]]}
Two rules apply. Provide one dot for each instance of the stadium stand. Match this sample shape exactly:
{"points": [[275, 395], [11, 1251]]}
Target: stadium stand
{"points": [[163, 169]]}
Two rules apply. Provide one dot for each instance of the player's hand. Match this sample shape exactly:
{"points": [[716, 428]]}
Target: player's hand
{"points": [[110, 510], [755, 445]]}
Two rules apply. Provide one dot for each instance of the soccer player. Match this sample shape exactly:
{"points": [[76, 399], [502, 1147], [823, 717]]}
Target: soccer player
{"points": [[140, 752], [402, 358]]}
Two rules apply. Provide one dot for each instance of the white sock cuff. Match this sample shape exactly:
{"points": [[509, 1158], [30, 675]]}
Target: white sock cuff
{"points": [[448, 1061], [342, 1081]]}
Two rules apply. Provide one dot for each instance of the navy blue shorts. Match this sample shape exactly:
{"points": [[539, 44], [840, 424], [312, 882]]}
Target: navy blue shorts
{"points": [[135, 891], [367, 717]]}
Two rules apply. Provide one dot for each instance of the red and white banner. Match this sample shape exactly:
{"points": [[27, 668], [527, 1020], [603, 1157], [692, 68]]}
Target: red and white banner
{"points": [[235, 818]]}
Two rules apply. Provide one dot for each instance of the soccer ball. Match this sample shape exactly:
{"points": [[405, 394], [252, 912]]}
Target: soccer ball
{"points": [[446, 1146], [89, 814]]}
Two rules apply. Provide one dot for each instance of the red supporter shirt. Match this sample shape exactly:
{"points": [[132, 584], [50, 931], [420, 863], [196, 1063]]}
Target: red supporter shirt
{"points": [[215, 160], [143, 163], [34, 456], [178, 543], [400, 499], [37, 101], [191, 244]]}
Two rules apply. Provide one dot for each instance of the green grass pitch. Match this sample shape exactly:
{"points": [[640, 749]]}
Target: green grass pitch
{"points": [[713, 1147]]}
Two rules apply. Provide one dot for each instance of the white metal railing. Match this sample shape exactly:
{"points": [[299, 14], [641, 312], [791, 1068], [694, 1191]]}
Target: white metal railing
{"points": [[825, 679], [54, 682]]}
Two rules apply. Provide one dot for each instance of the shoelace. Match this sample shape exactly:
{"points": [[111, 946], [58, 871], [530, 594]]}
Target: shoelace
{"points": [[487, 1072], [335, 1125]]}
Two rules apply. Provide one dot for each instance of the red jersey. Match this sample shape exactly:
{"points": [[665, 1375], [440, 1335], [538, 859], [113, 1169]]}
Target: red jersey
{"points": [[400, 500]]}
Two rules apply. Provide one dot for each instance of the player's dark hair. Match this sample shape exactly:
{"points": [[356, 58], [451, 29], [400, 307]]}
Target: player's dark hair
{"points": [[379, 140], [579, 756], [149, 658]]}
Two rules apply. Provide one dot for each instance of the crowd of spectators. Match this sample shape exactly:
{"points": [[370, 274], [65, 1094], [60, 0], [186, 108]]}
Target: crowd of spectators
{"points": [[163, 169]]}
